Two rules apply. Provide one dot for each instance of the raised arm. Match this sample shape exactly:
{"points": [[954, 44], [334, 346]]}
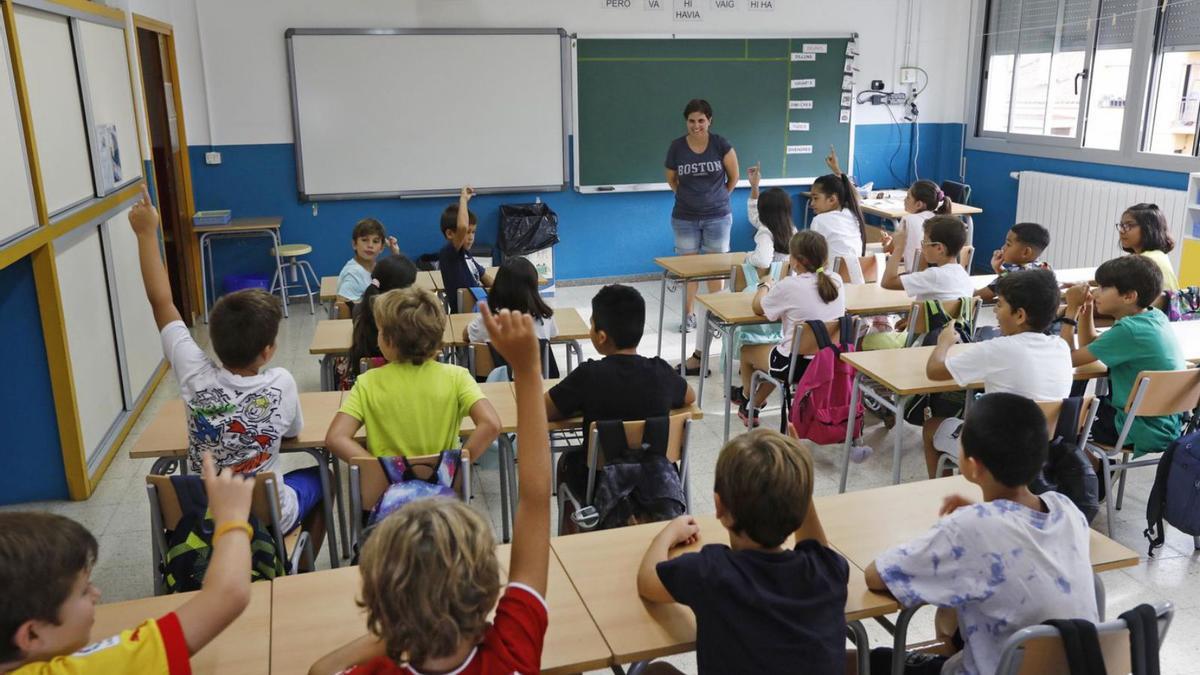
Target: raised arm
{"points": [[226, 589], [513, 336], [143, 218], [463, 224], [754, 175]]}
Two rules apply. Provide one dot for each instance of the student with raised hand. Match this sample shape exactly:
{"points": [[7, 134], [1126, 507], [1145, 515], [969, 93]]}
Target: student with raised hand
{"points": [[239, 410], [1014, 560], [429, 571], [923, 201], [458, 267], [1140, 339], [761, 607], [50, 603], [1143, 230], [839, 218], [770, 213]]}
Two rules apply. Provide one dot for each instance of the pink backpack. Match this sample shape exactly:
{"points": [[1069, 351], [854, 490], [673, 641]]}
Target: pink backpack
{"points": [[821, 405]]}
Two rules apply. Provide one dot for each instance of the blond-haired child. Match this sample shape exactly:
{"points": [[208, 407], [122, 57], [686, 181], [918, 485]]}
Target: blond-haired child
{"points": [[430, 573], [414, 405]]}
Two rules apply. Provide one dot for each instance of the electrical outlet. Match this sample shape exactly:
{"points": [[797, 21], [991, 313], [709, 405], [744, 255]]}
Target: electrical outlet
{"points": [[212, 158], [908, 76], [897, 98]]}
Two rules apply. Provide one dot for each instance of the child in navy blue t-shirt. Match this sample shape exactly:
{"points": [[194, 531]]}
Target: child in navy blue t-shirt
{"points": [[760, 607], [458, 268]]}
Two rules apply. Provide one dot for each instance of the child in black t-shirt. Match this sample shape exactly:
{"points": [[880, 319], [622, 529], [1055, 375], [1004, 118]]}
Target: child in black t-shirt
{"points": [[760, 607], [623, 385], [459, 269]]}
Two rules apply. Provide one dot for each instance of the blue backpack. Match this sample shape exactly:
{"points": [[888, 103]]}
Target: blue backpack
{"points": [[1175, 496]]}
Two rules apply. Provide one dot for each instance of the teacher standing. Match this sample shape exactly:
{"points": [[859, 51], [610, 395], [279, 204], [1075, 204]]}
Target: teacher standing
{"points": [[702, 170]]}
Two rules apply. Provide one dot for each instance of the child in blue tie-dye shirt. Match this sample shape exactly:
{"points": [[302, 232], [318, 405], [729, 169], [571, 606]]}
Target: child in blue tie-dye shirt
{"points": [[1011, 561]]}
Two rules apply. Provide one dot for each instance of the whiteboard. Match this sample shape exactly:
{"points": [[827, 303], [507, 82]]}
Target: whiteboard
{"points": [[390, 113], [16, 189], [106, 67], [139, 334], [90, 345], [62, 145]]}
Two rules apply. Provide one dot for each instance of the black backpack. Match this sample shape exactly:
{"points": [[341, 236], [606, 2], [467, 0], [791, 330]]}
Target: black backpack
{"points": [[636, 485], [1068, 470], [1081, 642], [936, 319], [1175, 496], [189, 545]]}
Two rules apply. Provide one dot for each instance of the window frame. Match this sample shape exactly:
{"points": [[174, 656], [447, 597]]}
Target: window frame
{"points": [[1071, 149]]}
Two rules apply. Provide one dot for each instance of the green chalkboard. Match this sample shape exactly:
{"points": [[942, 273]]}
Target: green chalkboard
{"points": [[631, 94]]}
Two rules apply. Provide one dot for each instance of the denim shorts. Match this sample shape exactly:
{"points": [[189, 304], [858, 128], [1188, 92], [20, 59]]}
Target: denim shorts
{"points": [[709, 235]]}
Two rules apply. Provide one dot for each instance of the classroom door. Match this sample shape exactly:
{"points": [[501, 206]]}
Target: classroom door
{"points": [[169, 155]]}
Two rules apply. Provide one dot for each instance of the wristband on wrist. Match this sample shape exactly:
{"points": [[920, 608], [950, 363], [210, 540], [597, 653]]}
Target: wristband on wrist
{"points": [[231, 526], [1069, 322], [763, 284]]}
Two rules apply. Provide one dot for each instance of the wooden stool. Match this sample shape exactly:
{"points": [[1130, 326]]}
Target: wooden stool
{"points": [[294, 273]]}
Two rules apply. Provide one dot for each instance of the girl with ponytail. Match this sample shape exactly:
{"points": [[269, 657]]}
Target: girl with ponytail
{"points": [[839, 218], [812, 293], [923, 201]]}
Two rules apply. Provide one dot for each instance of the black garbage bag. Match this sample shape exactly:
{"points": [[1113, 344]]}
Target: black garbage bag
{"points": [[525, 228]]}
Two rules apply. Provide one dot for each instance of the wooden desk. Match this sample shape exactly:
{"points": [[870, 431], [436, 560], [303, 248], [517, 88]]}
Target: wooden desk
{"points": [[891, 207], [243, 647], [1069, 276], [865, 523], [687, 269], [329, 289], [603, 566], [571, 327], [300, 635], [266, 226], [870, 299]]}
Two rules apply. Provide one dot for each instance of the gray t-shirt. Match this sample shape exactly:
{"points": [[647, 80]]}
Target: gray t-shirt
{"points": [[701, 193]]}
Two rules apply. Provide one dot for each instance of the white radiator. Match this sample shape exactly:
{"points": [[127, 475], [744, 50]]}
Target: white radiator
{"points": [[1082, 214]]}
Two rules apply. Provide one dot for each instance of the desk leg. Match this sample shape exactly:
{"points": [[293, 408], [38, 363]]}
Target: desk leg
{"points": [[683, 286], [900, 639], [855, 397], [322, 458], [279, 270], [898, 440], [503, 463], [343, 524], [862, 645], [662, 308], [726, 332], [204, 274], [703, 365]]}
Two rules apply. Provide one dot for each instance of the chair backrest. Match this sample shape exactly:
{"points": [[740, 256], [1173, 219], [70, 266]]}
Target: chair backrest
{"points": [[1051, 410], [481, 360], [1164, 392], [917, 324], [466, 301], [1038, 650], [341, 310], [959, 193], [737, 275], [676, 452], [804, 341], [966, 256], [869, 264], [367, 363]]}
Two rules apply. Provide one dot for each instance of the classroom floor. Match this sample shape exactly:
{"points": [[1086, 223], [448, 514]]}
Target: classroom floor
{"points": [[118, 512]]}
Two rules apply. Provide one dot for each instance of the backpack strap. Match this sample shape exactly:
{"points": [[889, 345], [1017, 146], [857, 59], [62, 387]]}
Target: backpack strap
{"points": [[1143, 639], [820, 333], [846, 328], [396, 469], [1066, 430], [935, 313], [1081, 644], [655, 436], [1157, 501], [189, 490]]}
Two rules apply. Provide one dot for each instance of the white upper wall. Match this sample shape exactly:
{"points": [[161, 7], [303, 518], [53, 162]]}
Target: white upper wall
{"points": [[248, 100]]}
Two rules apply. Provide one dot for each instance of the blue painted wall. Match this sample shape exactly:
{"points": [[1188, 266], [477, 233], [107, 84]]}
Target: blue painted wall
{"points": [[602, 234], [994, 191], [30, 452]]}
